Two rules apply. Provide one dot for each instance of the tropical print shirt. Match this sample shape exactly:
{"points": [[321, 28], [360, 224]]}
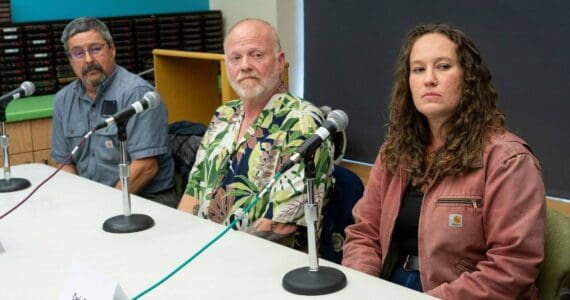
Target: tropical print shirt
{"points": [[228, 174]]}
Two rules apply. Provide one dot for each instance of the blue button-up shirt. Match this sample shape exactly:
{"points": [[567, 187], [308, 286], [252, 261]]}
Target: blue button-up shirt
{"points": [[74, 114]]}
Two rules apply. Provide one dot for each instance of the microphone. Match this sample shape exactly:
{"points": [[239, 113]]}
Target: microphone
{"points": [[27, 88], [337, 120], [150, 100]]}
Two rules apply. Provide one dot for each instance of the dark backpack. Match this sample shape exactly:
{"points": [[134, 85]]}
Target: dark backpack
{"points": [[185, 137], [337, 213]]}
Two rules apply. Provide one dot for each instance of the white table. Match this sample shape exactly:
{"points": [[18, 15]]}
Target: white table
{"points": [[63, 221]]}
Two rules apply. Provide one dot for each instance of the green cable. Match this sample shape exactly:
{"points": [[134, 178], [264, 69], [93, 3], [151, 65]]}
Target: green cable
{"points": [[210, 243]]}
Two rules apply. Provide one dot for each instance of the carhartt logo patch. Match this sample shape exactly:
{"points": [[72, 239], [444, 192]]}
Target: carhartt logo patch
{"points": [[109, 144], [455, 220]]}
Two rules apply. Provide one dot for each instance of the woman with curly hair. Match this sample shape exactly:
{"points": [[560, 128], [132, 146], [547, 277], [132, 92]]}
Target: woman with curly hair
{"points": [[455, 203]]}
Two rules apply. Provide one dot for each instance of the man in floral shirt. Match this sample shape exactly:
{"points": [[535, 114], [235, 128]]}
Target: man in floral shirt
{"points": [[250, 138]]}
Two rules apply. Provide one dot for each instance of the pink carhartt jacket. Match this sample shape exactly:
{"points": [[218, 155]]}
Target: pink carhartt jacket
{"points": [[481, 235]]}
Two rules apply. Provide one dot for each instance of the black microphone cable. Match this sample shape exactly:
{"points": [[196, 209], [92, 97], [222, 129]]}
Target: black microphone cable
{"points": [[81, 142]]}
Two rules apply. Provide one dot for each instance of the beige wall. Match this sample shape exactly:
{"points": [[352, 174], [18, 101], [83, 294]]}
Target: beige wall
{"points": [[235, 10], [284, 16]]}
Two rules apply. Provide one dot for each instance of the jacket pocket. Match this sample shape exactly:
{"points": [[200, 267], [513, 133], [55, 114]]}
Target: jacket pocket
{"points": [[460, 223], [475, 202], [465, 266]]}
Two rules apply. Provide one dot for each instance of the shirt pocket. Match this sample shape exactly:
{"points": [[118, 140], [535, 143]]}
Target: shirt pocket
{"points": [[74, 133], [106, 144]]}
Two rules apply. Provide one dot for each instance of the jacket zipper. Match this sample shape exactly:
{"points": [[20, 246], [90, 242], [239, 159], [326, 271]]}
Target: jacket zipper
{"points": [[424, 284], [475, 202], [465, 266], [396, 216]]}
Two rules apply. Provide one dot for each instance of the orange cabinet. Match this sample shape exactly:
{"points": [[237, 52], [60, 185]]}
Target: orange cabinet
{"points": [[29, 141], [193, 84]]}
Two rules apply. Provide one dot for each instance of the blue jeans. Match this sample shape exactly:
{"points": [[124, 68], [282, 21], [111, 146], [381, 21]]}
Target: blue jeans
{"points": [[409, 279]]}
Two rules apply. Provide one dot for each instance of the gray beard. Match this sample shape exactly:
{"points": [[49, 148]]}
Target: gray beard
{"points": [[95, 83], [252, 92], [258, 89]]}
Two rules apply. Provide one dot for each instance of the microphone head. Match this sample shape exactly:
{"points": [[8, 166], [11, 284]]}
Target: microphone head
{"points": [[339, 118], [28, 87], [152, 99]]}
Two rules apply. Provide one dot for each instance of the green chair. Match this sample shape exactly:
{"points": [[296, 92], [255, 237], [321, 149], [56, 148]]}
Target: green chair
{"points": [[556, 254], [565, 288]]}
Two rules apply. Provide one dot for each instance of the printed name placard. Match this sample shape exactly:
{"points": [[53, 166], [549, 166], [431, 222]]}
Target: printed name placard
{"points": [[85, 283]]}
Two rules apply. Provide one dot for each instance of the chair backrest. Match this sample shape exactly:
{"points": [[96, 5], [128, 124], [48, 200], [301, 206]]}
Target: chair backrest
{"points": [[564, 292], [556, 254], [337, 213], [185, 137]]}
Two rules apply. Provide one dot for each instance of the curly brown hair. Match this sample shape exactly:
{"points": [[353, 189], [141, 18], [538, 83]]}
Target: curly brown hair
{"points": [[408, 131]]}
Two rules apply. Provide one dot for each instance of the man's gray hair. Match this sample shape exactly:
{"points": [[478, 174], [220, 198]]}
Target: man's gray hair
{"points": [[275, 36], [84, 24]]}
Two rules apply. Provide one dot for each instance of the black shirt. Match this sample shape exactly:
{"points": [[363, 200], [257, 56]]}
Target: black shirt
{"points": [[406, 229]]}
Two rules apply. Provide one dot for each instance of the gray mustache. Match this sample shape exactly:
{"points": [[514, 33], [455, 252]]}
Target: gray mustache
{"points": [[91, 67]]}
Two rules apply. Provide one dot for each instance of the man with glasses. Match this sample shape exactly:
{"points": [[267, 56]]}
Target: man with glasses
{"points": [[102, 89]]}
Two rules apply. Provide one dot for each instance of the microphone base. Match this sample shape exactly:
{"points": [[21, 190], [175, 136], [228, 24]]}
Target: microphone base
{"points": [[127, 224], [303, 281], [15, 184]]}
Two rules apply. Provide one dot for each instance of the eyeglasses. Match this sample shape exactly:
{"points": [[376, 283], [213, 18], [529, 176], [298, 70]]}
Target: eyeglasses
{"points": [[78, 53]]}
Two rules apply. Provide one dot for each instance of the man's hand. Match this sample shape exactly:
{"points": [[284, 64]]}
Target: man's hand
{"points": [[189, 204], [69, 169], [142, 171], [273, 231]]}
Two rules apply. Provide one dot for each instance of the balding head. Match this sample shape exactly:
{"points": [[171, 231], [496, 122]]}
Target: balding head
{"points": [[254, 60], [258, 25]]}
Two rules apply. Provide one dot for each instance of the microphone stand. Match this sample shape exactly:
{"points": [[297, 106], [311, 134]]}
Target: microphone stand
{"points": [[313, 280], [127, 222], [8, 184]]}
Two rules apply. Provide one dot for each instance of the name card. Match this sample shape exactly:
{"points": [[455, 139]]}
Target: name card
{"points": [[85, 283]]}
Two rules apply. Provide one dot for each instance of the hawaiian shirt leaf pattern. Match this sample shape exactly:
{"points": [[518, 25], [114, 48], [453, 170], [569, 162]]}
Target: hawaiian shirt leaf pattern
{"points": [[228, 174]]}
